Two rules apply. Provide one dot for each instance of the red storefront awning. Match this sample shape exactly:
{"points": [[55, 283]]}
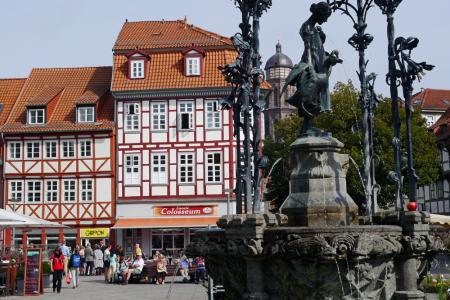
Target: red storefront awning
{"points": [[123, 223]]}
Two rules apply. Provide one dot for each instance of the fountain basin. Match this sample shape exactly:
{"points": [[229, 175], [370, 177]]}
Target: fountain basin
{"points": [[257, 257]]}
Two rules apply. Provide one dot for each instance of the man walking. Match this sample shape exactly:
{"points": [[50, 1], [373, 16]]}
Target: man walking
{"points": [[66, 252]]}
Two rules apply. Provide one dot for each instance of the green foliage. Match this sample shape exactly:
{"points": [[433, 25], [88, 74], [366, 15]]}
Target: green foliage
{"points": [[344, 122]]}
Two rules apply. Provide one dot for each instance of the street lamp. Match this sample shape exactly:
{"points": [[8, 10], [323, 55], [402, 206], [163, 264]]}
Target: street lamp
{"points": [[14, 201]]}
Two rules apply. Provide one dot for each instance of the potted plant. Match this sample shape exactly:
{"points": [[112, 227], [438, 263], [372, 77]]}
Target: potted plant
{"points": [[19, 279], [46, 270]]}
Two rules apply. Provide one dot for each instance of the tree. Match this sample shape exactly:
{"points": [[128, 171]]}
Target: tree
{"points": [[344, 122]]}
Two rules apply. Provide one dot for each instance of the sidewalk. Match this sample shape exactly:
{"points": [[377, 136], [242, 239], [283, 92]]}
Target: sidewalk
{"points": [[94, 288]]}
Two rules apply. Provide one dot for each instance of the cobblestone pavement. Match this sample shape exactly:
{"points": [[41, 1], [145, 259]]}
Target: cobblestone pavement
{"points": [[94, 288]]}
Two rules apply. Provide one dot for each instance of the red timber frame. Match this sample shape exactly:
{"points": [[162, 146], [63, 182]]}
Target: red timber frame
{"points": [[181, 146], [76, 213]]}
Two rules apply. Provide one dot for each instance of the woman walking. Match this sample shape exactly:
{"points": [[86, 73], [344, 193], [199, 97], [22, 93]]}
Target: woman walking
{"points": [[106, 264], [57, 268], [98, 260], [89, 257], [74, 266], [112, 266], [83, 261]]}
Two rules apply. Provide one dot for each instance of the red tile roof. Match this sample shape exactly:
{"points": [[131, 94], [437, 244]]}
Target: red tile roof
{"points": [[165, 42], [74, 84], [9, 91], [432, 99], [166, 34]]}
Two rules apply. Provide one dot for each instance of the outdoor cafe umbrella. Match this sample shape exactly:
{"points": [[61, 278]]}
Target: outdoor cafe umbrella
{"points": [[11, 219], [442, 220]]}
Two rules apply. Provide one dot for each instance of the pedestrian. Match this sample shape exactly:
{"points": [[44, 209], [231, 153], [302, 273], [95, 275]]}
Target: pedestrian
{"points": [[106, 255], [89, 257], [184, 268], [98, 260], [66, 252], [112, 266], [137, 250], [201, 270], [161, 269], [57, 268], [74, 266], [83, 260]]}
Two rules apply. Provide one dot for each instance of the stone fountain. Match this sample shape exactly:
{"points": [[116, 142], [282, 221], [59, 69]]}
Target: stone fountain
{"points": [[315, 247]]}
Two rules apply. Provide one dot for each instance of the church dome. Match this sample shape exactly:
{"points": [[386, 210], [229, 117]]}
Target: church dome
{"points": [[279, 59]]}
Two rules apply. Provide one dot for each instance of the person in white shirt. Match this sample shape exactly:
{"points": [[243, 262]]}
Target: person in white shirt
{"points": [[136, 268]]}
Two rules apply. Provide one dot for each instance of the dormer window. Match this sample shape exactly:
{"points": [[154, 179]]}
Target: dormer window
{"points": [[85, 114], [193, 66], [137, 64], [193, 62], [36, 116], [137, 69]]}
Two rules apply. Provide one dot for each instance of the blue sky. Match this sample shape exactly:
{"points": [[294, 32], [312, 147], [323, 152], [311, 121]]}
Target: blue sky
{"points": [[64, 33]]}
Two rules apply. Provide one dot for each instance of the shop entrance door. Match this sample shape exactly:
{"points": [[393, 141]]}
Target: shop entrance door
{"points": [[170, 242]]}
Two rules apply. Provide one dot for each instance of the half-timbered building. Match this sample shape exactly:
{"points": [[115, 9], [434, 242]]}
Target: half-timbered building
{"points": [[175, 160], [59, 153], [9, 91]]}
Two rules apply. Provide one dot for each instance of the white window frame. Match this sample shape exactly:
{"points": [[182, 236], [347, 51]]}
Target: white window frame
{"points": [[132, 162], [51, 190], [213, 117], [87, 190], [132, 116], [186, 108], [193, 65], [84, 148], [54, 146], [69, 187], [159, 115], [34, 189], [36, 145], [185, 168], [14, 150], [137, 68], [36, 116], [14, 193], [159, 172], [65, 153], [86, 114], [213, 167]]}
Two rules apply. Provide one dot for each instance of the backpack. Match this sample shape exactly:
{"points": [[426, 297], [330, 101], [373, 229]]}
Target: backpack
{"points": [[75, 261]]}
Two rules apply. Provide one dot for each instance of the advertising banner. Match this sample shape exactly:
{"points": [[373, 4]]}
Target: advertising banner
{"points": [[185, 210], [94, 233]]}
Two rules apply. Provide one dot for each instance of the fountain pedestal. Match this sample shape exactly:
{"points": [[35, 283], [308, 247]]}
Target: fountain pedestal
{"points": [[318, 190]]}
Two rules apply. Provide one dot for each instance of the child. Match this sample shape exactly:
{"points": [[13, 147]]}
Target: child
{"points": [[112, 266]]}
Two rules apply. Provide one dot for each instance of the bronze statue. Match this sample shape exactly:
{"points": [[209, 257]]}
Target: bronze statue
{"points": [[311, 75]]}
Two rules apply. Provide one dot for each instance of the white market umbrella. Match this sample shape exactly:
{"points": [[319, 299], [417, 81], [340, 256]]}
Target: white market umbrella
{"points": [[13, 219], [440, 220]]}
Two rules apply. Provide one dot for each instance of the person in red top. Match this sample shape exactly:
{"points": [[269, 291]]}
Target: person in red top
{"points": [[57, 267]]}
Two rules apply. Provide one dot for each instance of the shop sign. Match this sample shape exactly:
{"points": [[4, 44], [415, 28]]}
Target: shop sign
{"points": [[94, 233], [185, 210]]}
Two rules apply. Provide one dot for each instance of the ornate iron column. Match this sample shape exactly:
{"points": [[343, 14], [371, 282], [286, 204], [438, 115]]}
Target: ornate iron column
{"points": [[360, 41], [388, 8], [409, 71], [245, 76]]}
